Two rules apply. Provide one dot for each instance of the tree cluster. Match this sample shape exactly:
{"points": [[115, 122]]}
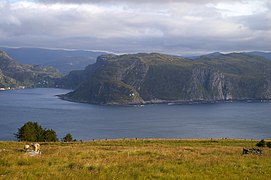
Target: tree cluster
{"points": [[33, 132]]}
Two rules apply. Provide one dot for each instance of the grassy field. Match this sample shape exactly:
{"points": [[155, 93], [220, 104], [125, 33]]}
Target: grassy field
{"points": [[136, 159]]}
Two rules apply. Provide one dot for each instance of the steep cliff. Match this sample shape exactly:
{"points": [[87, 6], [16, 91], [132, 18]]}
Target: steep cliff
{"points": [[157, 78]]}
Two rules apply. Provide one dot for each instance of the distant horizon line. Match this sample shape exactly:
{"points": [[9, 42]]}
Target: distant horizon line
{"points": [[111, 52]]}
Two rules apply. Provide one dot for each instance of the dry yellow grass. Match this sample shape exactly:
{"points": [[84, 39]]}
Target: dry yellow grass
{"points": [[136, 159]]}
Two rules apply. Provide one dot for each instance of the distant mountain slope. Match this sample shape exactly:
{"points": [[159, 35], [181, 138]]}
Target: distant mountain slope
{"points": [[266, 55], [64, 60], [157, 78], [14, 75]]}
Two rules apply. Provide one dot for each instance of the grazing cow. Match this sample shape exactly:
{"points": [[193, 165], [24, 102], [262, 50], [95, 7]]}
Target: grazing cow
{"points": [[36, 147], [26, 147]]}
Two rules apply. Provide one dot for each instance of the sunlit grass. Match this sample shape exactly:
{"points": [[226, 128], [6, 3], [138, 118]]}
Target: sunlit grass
{"points": [[136, 159]]}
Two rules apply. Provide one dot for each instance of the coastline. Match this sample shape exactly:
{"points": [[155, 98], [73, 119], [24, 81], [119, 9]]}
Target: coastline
{"points": [[10, 88], [151, 102], [168, 102]]}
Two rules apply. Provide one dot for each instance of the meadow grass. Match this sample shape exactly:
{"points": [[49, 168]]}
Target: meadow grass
{"points": [[136, 159]]}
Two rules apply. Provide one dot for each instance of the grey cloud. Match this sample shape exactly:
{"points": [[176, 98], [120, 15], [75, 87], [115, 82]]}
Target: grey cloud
{"points": [[255, 22], [168, 28], [133, 1]]}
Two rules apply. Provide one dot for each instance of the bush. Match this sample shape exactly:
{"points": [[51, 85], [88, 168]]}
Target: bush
{"points": [[68, 138], [268, 144], [33, 132], [261, 143]]}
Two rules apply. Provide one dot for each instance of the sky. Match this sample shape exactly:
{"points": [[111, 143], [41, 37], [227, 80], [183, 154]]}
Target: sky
{"points": [[127, 26]]}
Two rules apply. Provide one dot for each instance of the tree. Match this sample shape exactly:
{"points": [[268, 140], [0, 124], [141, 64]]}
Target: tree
{"points": [[268, 144], [30, 131], [33, 132], [261, 143], [50, 135], [67, 138]]}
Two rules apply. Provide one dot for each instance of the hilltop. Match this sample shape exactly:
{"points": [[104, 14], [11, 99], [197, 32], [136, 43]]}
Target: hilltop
{"points": [[157, 78], [61, 59]]}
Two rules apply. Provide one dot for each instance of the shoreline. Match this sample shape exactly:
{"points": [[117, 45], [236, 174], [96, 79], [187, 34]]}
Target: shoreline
{"points": [[13, 88], [168, 102], [151, 102]]}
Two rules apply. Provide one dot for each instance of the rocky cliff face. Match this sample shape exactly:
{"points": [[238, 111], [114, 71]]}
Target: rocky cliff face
{"points": [[157, 78], [207, 83], [109, 81]]}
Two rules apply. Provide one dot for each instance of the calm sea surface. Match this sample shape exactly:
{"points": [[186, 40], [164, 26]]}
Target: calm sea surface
{"points": [[84, 121]]}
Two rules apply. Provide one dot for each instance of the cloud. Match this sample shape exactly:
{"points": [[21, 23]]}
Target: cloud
{"points": [[257, 22], [125, 26], [132, 1]]}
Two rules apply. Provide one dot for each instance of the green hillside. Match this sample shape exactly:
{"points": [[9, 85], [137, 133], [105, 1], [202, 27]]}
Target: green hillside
{"points": [[157, 78], [15, 75]]}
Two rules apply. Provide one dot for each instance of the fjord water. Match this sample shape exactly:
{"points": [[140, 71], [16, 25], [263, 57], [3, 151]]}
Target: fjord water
{"points": [[85, 121]]}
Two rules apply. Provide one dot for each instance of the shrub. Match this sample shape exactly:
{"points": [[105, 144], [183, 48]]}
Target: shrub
{"points": [[261, 143], [33, 132], [68, 138], [268, 144]]}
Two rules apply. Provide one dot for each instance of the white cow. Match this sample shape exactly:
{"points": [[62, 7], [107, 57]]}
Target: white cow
{"points": [[26, 147], [36, 147]]}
